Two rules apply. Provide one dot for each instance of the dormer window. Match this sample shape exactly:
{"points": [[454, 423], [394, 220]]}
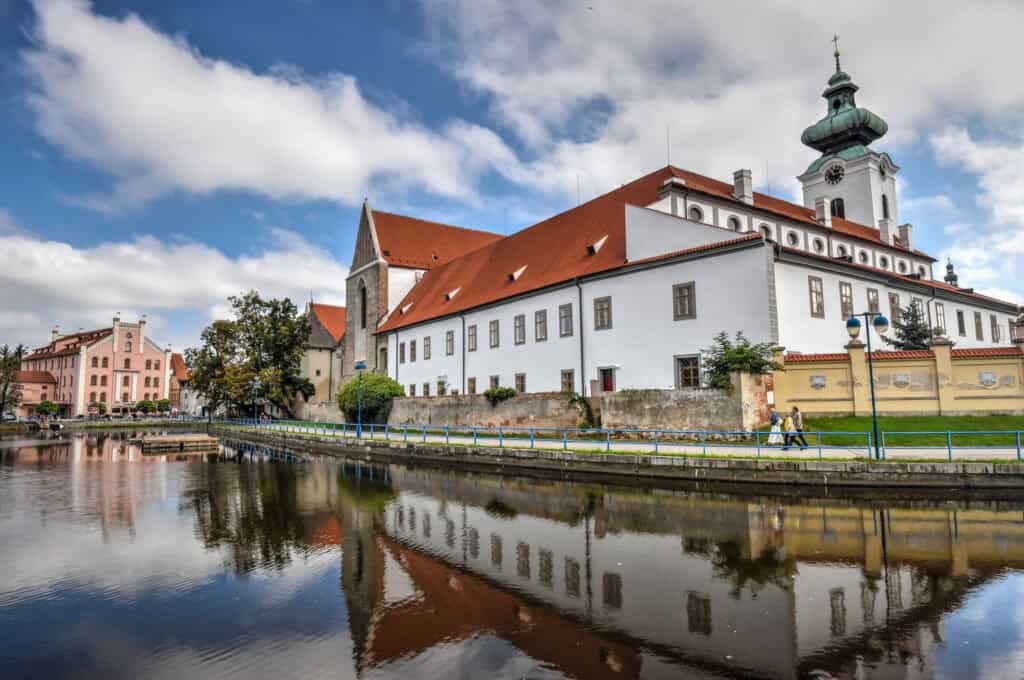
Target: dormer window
{"points": [[453, 293], [596, 246], [695, 214], [514, 276], [405, 308], [734, 223]]}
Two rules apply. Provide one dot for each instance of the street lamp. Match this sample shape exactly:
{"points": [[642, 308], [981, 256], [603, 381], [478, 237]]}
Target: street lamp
{"points": [[360, 366], [256, 384], [881, 325]]}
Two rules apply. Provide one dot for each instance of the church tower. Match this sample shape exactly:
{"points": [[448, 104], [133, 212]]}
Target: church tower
{"points": [[858, 182]]}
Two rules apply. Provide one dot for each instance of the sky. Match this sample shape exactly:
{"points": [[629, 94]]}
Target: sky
{"points": [[157, 157]]}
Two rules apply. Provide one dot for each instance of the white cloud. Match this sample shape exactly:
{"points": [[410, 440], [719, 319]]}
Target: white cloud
{"points": [[8, 225], [51, 282], [159, 116], [936, 203], [590, 87]]}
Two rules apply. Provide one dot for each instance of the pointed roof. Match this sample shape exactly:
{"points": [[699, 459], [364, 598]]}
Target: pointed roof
{"points": [[332, 318], [421, 244], [178, 368]]}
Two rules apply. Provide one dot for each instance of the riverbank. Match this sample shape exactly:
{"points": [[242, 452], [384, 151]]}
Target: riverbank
{"points": [[729, 470], [111, 425]]}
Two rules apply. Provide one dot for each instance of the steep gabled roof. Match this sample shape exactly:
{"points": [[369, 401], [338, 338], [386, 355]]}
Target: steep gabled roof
{"points": [[34, 377], [420, 244], [332, 318], [179, 368]]}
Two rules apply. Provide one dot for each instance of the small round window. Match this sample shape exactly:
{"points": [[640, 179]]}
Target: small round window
{"points": [[922, 271], [792, 238], [864, 257], [902, 266], [734, 223], [819, 245], [841, 250], [696, 214], [883, 262]]}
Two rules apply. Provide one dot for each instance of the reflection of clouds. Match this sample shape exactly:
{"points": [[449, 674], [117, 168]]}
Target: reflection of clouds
{"points": [[480, 657], [984, 638]]}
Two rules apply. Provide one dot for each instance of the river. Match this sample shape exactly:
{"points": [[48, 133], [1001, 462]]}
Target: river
{"points": [[258, 563]]}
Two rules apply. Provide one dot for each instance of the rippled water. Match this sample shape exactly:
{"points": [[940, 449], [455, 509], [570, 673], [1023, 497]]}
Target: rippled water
{"points": [[259, 564]]}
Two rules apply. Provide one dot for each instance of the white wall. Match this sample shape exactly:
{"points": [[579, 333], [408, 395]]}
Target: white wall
{"points": [[800, 332], [652, 232], [400, 282]]}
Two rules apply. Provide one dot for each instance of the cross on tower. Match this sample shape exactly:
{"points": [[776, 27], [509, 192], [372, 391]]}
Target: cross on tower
{"points": [[835, 41]]}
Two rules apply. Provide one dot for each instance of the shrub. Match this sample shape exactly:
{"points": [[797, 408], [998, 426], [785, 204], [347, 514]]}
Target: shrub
{"points": [[163, 405], [100, 407], [725, 356], [145, 406], [582, 404], [496, 395], [378, 393], [47, 408]]}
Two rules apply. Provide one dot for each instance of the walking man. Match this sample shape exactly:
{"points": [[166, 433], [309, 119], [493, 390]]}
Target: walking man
{"points": [[798, 425]]}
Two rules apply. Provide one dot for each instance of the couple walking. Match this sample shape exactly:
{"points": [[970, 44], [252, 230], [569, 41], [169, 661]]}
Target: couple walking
{"points": [[793, 427]]}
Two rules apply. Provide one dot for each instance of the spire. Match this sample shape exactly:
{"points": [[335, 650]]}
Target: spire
{"points": [[951, 278], [835, 41]]}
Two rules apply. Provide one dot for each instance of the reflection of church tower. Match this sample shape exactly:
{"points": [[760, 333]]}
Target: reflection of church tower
{"points": [[851, 179]]}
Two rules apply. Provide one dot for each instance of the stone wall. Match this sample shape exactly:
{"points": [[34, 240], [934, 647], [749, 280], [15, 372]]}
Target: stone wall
{"points": [[543, 409], [742, 409], [320, 412]]}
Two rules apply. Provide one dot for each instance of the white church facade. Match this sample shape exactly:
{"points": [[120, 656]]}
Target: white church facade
{"points": [[626, 290]]}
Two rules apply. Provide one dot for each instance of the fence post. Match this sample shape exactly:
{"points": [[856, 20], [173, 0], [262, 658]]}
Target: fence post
{"points": [[608, 441], [819, 445], [949, 444], [656, 442], [1018, 446], [532, 436], [474, 435], [704, 441], [501, 438], [883, 445], [565, 441], [446, 435]]}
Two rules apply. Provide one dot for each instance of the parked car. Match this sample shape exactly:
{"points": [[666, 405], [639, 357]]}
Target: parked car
{"points": [[9, 418]]}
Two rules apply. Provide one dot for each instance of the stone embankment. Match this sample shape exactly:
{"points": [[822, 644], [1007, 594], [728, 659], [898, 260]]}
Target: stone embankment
{"points": [[854, 473]]}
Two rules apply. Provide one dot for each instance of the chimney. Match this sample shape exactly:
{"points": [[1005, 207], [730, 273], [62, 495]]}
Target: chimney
{"points": [[907, 236], [743, 186], [885, 231], [674, 187], [117, 329], [55, 333], [142, 333], [823, 211]]}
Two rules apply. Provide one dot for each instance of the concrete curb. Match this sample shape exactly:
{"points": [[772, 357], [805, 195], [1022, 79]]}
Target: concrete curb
{"points": [[747, 471]]}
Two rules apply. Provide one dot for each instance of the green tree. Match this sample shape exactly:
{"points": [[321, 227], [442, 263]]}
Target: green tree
{"points": [[911, 329], [264, 339], [100, 407], [725, 356], [163, 405], [378, 392], [47, 408], [145, 406], [10, 388]]}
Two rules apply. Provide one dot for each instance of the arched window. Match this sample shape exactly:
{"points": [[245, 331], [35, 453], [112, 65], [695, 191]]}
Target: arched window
{"points": [[95, 362], [841, 250], [819, 245], [147, 382], [766, 230], [695, 214], [92, 396], [92, 380], [128, 346], [883, 262], [838, 208], [362, 305], [793, 238], [103, 397], [863, 257], [105, 364], [902, 267], [127, 363], [922, 271], [734, 223], [885, 207]]}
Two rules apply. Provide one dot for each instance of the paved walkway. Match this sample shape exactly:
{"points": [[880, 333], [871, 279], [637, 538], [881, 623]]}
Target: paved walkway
{"points": [[665, 448]]}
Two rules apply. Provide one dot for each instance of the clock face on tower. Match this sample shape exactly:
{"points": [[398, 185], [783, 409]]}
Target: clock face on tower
{"points": [[834, 174]]}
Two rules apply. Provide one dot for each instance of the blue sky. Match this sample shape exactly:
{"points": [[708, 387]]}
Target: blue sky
{"points": [[229, 145]]}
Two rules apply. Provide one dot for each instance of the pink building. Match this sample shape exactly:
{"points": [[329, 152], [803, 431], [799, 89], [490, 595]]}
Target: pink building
{"points": [[117, 366]]}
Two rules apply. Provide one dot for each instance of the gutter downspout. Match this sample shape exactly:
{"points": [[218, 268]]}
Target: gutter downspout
{"points": [[583, 373], [931, 324], [463, 343]]}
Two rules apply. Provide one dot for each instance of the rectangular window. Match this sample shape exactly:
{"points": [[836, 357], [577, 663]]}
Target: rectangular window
{"points": [[520, 383], [940, 317], [471, 338], [426, 348], [607, 377], [442, 388], [979, 330], [519, 329], [156, 365], [894, 307], [449, 343], [845, 299], [103, 381], [412, 351], [401, 352], [494, 382], [687, 372], [412, 389], [961, 323], [471, 385], [817, 297], [494, 333], [149, 364], [124, 397], [684, 301], [568, 380], [126, 381], [565, 320], [602, 313], [995, 327], [540, 325], [156, 382], [426, 389], [147, 381], [873, 305]]}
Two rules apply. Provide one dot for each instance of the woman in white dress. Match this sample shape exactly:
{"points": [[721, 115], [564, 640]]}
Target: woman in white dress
{"points": [[775, 438]]}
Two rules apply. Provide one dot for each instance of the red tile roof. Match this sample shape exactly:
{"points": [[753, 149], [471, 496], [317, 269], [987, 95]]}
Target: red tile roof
{"points": [[410, 242], [699, 249], [987, 352], [332, 318], [899, 355], [34, 377], [77, 340], [553, 251], [777, 206], [179, 368], [797, 358]]}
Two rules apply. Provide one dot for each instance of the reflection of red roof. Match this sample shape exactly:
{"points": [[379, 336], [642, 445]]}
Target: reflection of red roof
{"points": [[328, 533], [179, 368], [410, 242], [34, 377], [332, 318]]}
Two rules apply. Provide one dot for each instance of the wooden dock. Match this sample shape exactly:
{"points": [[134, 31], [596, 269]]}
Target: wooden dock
{"points": [[176, 443]]}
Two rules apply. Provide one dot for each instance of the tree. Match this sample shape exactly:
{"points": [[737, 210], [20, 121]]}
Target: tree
{"points": [[47, 408], [145, 406], [378, 392], [163, 405], [911, 329], [10, 388], [725, 356], [100, 407], [265, 339]]}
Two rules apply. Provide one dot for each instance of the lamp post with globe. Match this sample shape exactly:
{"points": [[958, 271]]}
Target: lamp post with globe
{"points": [[256, 385], [881, 325]]}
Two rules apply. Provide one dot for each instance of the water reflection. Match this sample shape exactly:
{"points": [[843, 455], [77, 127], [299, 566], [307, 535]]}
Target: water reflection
{"points": [[271, 564]]}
